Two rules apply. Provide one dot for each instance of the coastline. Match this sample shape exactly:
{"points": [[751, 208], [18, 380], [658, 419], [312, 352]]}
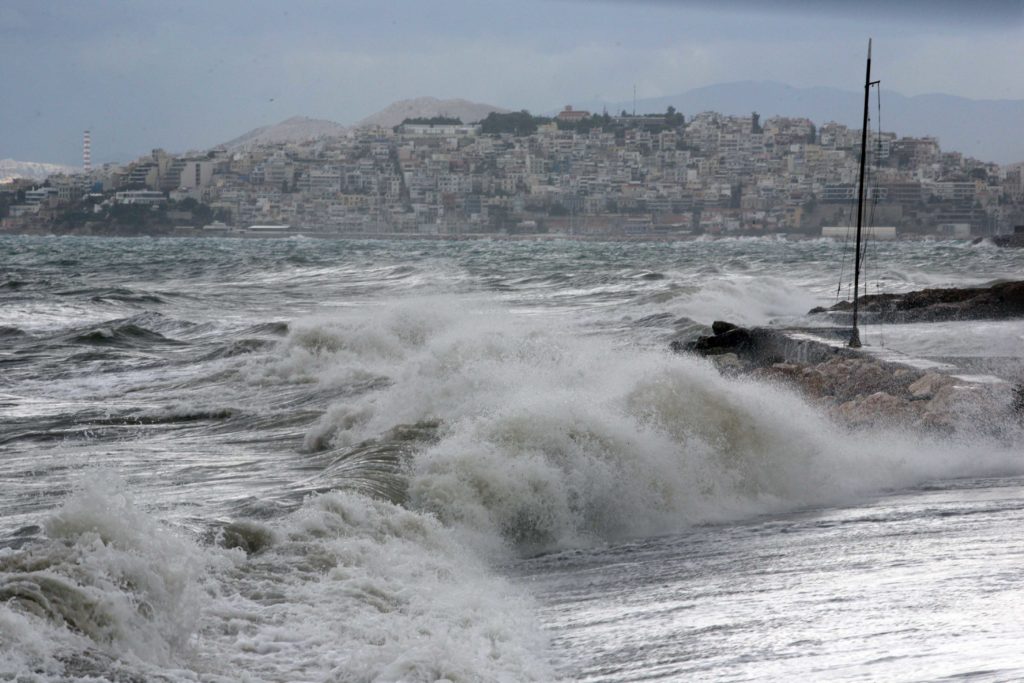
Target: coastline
{"points": [[875, 386], [460, 237]]}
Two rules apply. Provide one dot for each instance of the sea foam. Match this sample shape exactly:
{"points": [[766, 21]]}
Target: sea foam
{"points": [[549, 438]]}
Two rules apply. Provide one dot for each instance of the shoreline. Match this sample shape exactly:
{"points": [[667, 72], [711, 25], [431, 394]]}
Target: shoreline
{"points": [[866, 387], [465, 237]]}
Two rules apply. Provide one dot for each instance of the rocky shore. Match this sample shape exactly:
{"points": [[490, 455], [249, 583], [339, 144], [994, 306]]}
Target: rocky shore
{"points": [[999, 301], [858, 389]]}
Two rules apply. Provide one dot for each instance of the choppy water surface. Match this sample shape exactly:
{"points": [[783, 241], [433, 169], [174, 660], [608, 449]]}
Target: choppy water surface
{"points": [[294, 460]]}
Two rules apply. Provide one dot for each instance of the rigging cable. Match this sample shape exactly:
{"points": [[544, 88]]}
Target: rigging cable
{"points": [[872, 193], [846, 249], [878, 283], [846, 245]]}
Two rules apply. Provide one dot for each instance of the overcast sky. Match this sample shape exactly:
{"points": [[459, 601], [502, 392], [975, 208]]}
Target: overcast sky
{"points": [[185, 74]]}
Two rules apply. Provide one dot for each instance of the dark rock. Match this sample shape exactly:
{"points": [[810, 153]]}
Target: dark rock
{"points": [[735, 339], [680, 346], [721, 327], [1000, 301], [857, 389]]}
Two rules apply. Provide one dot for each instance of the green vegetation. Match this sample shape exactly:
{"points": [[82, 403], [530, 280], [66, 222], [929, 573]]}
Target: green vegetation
{"points": [[522, 123], [201, 213], [518, 123]]}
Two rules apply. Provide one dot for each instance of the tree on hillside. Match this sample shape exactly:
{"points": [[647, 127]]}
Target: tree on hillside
{"points": [[673, 119], [518, 123]]}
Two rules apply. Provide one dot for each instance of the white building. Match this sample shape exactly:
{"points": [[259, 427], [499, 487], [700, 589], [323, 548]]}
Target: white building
{"points": [[145, 197]]}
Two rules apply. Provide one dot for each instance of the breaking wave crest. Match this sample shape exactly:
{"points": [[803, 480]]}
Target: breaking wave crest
{"points": [[107, 588], [548, 438], [347, 587], [459, 434]]}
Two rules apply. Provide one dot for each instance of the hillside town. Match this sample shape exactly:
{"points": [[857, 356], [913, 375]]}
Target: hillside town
{"points": [[575, 174]]}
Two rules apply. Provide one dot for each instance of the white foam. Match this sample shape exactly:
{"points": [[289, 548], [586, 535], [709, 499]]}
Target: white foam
{"points": [[365, 590], [109, 584], [746, 300], [347, 588], [550, 438]]}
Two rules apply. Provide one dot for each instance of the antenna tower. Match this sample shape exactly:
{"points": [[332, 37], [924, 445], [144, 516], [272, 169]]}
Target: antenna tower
{"points": [[86, 152]]}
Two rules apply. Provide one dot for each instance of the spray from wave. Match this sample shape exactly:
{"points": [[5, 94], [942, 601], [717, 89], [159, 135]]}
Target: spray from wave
{"points": [[548, 438], [461, 435], [345, 587]]}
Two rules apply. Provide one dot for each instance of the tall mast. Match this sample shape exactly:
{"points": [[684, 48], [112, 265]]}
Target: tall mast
{"points": [[855, 334]]}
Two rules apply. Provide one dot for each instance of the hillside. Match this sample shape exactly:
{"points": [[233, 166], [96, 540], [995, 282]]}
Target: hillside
{"points": [[425, 107], [989, 130], [295, 129]]}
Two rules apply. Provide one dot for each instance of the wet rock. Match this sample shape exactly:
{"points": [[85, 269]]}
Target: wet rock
{"points": [[926, 386], [857, 389], [998, 302], [721, 327], [735, 339], [877, 408]]}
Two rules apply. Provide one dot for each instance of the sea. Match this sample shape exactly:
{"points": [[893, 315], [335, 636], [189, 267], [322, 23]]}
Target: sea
{"points": [[426, 460]]}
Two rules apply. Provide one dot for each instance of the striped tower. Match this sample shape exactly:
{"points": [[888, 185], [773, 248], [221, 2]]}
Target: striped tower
{"points": [[86, 152]]}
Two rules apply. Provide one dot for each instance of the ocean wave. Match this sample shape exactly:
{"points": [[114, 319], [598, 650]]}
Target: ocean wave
{"points": [[128, 296], [343, 588], [745, 300], [14, 284], [237, 347], [278, 328], [137, 331], [113, 294], [117, 334], [547, 439], [107, 588]]}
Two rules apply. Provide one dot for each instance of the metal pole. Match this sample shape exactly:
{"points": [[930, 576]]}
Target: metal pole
{"points": [[855, 334]]}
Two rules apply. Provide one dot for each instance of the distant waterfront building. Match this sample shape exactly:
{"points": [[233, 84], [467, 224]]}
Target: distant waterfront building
{"points": [[570, 114], [145, 197], [195, 174], [837, 194], [40, 195]]}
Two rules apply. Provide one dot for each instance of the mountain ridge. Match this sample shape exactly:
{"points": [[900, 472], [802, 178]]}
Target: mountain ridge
{"points": [[425, 107], [34, 170], [293, 129], [302, 128]]}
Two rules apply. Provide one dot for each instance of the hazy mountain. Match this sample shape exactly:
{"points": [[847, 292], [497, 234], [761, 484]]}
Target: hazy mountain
{"points": [[300, 128], [991, 130], [295, 129], [394, 114], [11, 168]]}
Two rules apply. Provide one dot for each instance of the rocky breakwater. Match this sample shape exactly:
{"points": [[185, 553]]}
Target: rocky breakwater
{"points": [[856, 388], [997, 302]]}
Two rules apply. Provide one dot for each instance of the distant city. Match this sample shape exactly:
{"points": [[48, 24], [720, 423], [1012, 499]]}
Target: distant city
{"points": [[578, 173]]}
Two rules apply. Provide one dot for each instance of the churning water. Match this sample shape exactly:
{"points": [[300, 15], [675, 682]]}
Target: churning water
{"points": [[304, 460]]}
